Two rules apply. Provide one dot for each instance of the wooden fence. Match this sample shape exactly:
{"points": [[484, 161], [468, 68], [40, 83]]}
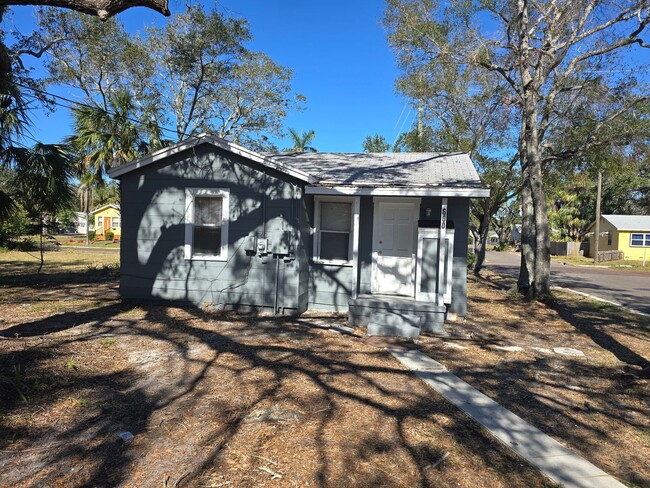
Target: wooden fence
{"points": [[567, 248]]}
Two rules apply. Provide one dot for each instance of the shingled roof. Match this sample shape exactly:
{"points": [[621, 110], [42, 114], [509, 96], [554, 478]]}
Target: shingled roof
{"points": [[405, 174], [385, 169]]}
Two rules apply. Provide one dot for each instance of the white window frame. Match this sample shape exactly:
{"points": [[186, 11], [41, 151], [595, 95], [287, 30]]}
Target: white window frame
{"points": [[645, 236], [100, 222], [190, 194], [119, 221], [317, 231]]}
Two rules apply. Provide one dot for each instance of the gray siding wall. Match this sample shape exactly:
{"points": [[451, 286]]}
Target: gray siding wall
{"points": [[329, 286], [303, 254], [366, 216], [153, 232]]}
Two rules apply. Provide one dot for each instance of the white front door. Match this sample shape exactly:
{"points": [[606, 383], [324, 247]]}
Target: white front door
{"points": [[393, 247]]}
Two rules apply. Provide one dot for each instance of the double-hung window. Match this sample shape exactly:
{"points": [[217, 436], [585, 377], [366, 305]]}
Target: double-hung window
{"points": [[206, 223], [640, 240], [333, 232], [116, 222]]}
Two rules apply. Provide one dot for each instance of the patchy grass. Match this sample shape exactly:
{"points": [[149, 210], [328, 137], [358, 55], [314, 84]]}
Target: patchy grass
{"points": [[599, 404], [62, 265], [80, 241], [618, 264]]}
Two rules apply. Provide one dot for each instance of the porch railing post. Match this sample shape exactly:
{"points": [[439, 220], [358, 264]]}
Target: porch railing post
{"points": [[442, 251]]}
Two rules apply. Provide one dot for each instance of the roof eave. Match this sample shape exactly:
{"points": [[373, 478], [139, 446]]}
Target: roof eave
{"points": [[404, 191], [104, 207], [214, 141]]}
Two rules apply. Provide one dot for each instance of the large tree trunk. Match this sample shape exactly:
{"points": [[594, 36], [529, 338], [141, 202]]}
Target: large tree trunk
{"points": [[542, 277], [540, 239], [536, 247], [527, 269]]}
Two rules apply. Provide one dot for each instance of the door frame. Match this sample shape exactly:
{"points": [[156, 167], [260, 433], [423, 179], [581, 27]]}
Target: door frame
{"points": [[416, 202]]}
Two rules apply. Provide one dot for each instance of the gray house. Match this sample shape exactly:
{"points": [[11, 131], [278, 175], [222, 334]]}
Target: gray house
{"points": [[381, 236]]}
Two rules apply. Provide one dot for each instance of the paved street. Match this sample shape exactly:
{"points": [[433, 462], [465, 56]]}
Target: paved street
{"points": [[628, 288]]}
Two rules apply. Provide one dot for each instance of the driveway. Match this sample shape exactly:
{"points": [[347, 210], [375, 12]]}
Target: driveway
{"points": [[630, 289]]}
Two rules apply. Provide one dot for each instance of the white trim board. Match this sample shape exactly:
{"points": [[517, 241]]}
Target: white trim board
{"points": [[398, 191]]}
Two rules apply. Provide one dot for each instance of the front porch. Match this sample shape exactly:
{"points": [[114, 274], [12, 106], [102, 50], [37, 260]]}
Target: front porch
{"points": [[406, 260]]}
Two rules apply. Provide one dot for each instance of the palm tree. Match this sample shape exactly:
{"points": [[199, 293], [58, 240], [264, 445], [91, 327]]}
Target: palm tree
{"points": [[85, 193], [106, 138], [13, 120], [301, 141], [41, 181]]}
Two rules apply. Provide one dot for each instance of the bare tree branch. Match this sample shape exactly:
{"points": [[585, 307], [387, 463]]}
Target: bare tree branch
{"points": [[103, 9]]}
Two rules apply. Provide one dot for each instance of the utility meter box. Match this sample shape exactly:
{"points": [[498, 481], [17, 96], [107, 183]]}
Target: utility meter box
{"points": [[250, 244], [262, 246]]}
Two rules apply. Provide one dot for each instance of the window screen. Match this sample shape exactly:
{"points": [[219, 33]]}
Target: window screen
{"points": [[207, 225], [335, 225]]}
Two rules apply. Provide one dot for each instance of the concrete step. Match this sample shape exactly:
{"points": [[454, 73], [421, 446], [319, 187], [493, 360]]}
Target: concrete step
{"points": [[364, 306], [394, 324]]}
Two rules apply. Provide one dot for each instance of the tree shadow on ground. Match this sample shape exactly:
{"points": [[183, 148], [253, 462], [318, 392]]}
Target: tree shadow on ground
{"points": [[189, 386], [598, 326]]}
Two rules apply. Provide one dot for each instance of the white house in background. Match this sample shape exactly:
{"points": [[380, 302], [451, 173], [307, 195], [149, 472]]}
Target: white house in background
{"points": [[79, 223]]}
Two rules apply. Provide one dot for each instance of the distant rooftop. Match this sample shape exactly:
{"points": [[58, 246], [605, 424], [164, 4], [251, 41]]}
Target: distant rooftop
{"points": [[384, 169], [629, 222]]}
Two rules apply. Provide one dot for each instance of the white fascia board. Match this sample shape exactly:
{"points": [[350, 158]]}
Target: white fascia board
{"points": [[157, 156], [217, 142], [399, 191]]}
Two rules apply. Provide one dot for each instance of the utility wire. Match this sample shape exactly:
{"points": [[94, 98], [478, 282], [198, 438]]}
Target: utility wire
{"points": [[91, 107]]}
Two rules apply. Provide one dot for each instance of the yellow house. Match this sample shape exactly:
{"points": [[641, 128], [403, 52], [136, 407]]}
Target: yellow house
{"points": [[627, 233], [107, 218]]}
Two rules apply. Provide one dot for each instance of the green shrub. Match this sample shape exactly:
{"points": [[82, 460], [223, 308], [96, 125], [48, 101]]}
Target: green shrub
{"points": [[502, 246], [109, 235], [471, 257], [91, 235]]}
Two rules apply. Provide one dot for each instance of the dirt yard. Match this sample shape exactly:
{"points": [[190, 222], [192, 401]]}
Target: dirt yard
{"points": [[597, 404], [227, 400]]}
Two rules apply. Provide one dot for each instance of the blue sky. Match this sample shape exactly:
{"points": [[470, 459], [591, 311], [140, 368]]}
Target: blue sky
{"points": [[337, 49]]}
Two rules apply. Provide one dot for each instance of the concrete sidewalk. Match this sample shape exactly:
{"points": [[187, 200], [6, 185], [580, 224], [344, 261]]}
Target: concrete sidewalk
{"points": [[557, 462]]}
